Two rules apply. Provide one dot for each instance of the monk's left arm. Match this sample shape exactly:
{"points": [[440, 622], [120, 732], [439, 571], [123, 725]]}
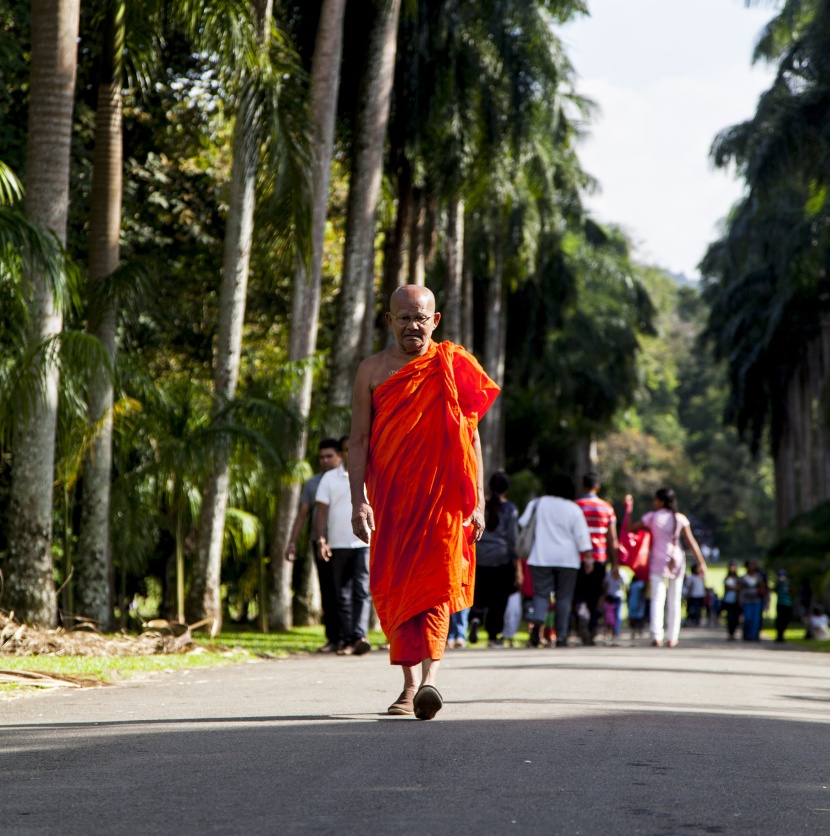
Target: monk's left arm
{"points": [[477, 518]]}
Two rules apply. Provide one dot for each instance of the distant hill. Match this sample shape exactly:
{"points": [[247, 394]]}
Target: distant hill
{"points": [[683, 280]]}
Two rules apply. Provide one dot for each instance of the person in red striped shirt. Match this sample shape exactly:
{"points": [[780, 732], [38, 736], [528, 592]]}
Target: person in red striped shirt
{"points": [[602, 525]]}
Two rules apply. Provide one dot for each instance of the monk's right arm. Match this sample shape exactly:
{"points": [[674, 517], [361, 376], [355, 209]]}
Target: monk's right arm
{"points": [[363, 521]]}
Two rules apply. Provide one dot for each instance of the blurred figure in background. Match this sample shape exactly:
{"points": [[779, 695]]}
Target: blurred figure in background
{"points": [[667, 564], [752, 590], [561, 542], [731, 585], [496, 562], [602, 526]]}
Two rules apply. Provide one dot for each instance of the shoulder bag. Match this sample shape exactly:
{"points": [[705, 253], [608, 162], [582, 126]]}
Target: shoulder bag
{"points": [[527, 536]]}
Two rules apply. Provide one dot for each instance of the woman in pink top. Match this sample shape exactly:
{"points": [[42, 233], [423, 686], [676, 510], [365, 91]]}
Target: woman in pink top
{"points": [[667, 564]]}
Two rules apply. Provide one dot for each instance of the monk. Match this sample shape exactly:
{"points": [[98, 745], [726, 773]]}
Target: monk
{"points": [[416, 449]]}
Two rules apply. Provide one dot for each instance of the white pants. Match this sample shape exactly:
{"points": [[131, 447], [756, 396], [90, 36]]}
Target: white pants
{"points": [[665, 606], [512, 615]]}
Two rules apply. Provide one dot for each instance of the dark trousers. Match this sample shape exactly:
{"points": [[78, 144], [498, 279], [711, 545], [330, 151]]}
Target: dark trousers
{"points": [[694, 610], [561, 582], [589, 590], [494, 584], [733, 617], [350, 568], [783, 616], [328, 599]]}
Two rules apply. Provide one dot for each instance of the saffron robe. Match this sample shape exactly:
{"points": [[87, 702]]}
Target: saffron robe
{"points": [[421, 481]]}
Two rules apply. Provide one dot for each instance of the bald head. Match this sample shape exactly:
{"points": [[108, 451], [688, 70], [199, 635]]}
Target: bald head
{"points": [[412, 295], [412, 318]]}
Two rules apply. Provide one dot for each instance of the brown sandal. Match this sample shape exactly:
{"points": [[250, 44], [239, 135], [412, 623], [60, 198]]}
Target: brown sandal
{"points": [[427, 702], [402, 705]]}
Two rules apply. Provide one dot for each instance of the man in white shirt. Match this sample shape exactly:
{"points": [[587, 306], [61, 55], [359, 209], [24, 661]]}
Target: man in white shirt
{"points": [[349, 556], [561, 542], [329, 458]]}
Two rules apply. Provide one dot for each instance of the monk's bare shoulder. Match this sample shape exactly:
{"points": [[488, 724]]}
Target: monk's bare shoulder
{"points": [[379, 367]]}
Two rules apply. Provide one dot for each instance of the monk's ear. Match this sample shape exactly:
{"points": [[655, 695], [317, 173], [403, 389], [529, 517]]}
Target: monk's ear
{"points": [[437, 318]]}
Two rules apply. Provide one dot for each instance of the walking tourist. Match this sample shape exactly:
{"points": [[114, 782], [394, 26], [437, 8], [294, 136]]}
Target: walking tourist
{"points": [[496, 562], [752, 590], [731, 585], [349, 556], [695, 594], [783, 604], [667, 564], [328, 456], [561, 541], [636, 606], [602, 526], [612, 590]]}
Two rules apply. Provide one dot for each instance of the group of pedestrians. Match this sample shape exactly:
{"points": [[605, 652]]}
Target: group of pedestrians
{"points": [[571, 561], [568, 579]]}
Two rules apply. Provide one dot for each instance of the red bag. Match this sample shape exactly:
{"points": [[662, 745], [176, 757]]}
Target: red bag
{"points": [[527, 581], [634, 547]]}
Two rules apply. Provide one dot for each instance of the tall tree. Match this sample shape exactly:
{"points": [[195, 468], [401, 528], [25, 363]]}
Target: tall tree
{"points": [[30, 590], [305, 301], [94, 555], [767, 276], [356, 301], [205, 599]]}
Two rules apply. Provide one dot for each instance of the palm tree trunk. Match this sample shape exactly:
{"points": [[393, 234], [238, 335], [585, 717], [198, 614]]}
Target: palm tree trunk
{"points": [[356, 300], [394, 272], [30, 590], [494, 331], [824, 405], [305, 303], [306, 606], [205, 598], [417, 270], [453, 292], [94, 557], [467, 309]]}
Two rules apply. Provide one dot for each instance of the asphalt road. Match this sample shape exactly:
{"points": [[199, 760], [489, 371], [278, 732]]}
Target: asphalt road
{"points": [[709, 737]]}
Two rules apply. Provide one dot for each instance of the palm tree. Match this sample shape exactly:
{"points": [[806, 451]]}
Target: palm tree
{"points": [[205, 596], [767, 276], [356, 301], [29, 587], [305, 301], [94, 557], [261, 117]]}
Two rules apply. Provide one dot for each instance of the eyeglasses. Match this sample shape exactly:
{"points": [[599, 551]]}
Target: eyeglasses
{"points": [[412, 320]]}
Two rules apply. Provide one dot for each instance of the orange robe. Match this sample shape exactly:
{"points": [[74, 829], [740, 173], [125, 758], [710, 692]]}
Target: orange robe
{"points": [[421, 481]]}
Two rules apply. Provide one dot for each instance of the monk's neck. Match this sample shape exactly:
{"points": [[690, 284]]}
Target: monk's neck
{"points": [[403, 357]]}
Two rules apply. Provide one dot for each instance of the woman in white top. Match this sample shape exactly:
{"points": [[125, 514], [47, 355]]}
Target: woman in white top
{"points": [[667, 564], [560, 542]]}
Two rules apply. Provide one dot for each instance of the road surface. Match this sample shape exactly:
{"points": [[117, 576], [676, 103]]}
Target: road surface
{"points": [[709, 737]]}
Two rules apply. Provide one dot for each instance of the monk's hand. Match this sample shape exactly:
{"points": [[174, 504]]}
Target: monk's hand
{"points": [[476, 520], [363, 522]]}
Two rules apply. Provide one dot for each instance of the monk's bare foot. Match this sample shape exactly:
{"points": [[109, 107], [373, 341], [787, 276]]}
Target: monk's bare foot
{"points": [[427, 702], [404, 703]]}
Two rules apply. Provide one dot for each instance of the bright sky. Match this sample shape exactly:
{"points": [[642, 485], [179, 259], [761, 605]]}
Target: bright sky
{"points": [[667, 75]]}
